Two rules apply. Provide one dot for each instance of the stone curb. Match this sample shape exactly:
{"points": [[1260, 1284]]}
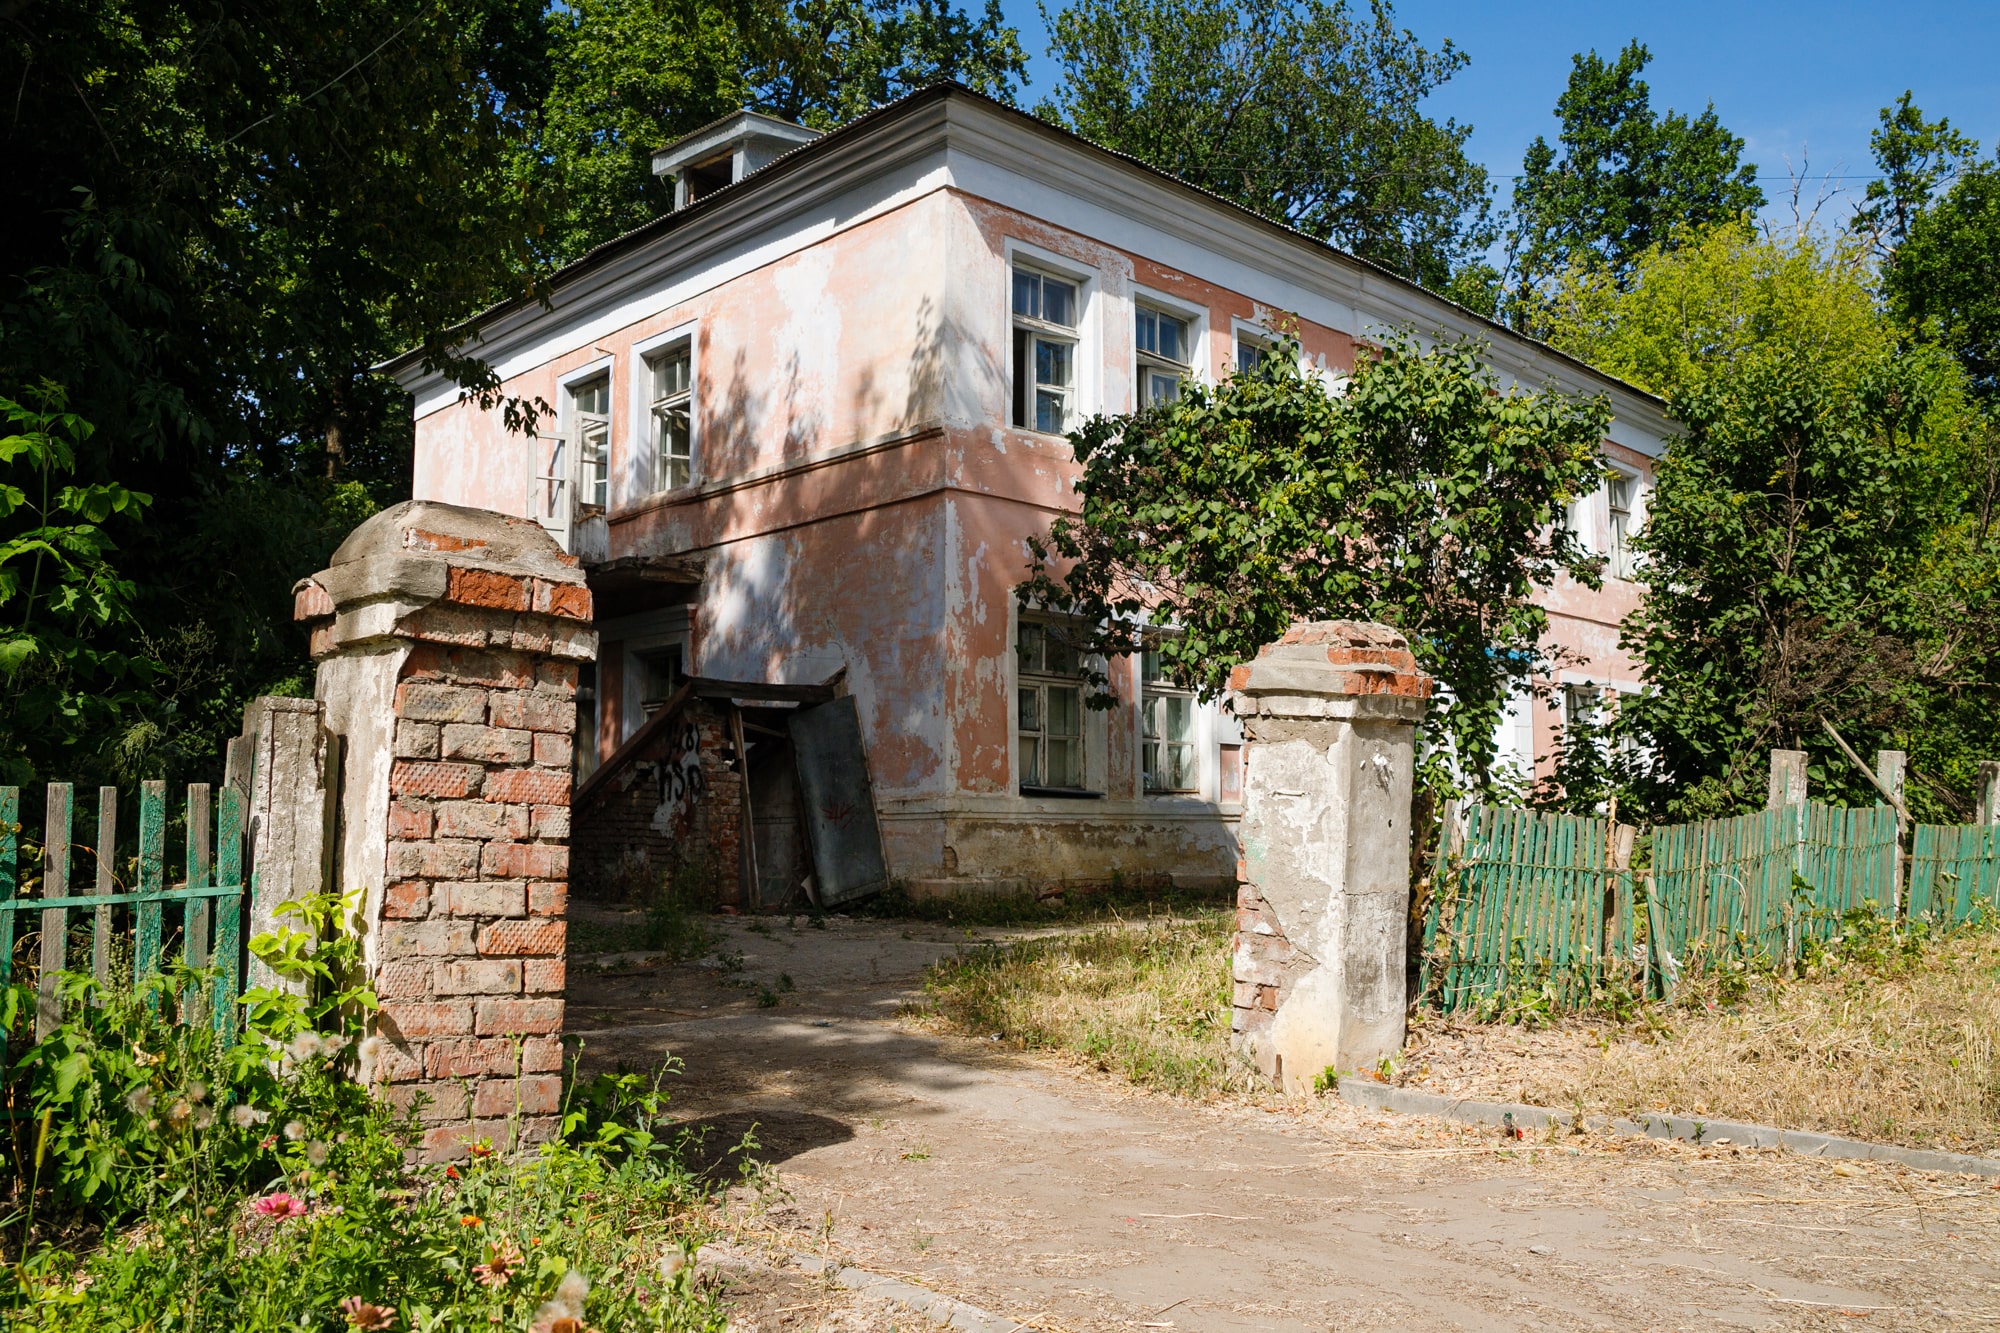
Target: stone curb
{"points": [[1371, 1096], [938, 1309]]}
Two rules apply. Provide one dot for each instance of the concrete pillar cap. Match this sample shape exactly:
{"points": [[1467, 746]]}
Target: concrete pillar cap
{"points": [[446, 573], [1333, 668]]}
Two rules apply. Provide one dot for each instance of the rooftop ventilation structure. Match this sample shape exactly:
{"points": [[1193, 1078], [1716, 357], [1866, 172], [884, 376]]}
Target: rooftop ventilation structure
{"points": [[726, 151]]}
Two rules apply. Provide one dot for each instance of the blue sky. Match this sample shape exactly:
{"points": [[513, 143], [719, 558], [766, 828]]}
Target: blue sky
{"points": [[1789, 77]]}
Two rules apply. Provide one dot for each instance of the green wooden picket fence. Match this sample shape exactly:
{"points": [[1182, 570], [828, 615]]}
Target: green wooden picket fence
{"points": [[1954, 872], [1522, 890], [210, 901], [1728, 886], [1517, 892]]}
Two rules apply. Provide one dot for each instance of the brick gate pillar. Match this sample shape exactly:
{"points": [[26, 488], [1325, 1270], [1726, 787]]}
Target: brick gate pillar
{"points": [[1329, 713], [447, 643]]}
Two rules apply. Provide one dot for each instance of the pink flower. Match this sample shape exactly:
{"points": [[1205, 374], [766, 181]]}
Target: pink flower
{"points": [[280, 1206], [361, 1314]]}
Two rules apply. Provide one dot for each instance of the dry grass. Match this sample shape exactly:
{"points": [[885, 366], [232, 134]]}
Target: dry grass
{"points": [[1148, 1000], [1893, 1047]]}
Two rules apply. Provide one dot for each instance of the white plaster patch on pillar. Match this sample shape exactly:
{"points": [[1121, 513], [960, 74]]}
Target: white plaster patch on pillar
{"points": [[1319, 968], [293, 775], [359, 693]]}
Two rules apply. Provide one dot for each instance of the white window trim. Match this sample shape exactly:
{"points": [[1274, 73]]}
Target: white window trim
{"points": [[1200, 366], [1088, 395], [1241, 329], [566, 424], [1637, 514], [1095, 736], [641, 467], [1199, 741]]}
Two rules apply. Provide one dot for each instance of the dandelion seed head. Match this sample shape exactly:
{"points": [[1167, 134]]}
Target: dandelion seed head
{"points": [[316, 1152], [139, 1100], [197, 1090], [294, 1131], [571, 1291], [180, 1112], [204, 1116], [243, 1115], [303, 1046]]}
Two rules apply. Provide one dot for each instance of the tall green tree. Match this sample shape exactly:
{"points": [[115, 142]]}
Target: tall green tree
{"points": [[1941, 281], [1916, 157], [625, 77], [1627, 180], [1820, 545], [1302, 110], [218, 219], [1421, 496]]}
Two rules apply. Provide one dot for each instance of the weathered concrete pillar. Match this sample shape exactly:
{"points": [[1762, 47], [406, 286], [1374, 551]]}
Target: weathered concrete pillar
{"points": [[1891, 768], [448, 641], [289, 765], [1989, 791], [1788, 779], [1329, 712]]}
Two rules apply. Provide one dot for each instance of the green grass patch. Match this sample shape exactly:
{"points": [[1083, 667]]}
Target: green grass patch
{"points": [[1115, 903], [1148, 1000]]}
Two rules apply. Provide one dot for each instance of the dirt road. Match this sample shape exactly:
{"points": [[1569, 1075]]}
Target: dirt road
{"points": [[1060, 1198]]}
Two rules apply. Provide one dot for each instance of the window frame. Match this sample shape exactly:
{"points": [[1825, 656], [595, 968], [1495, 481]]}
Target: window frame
{"points": [[1081, 393], [1621, 561], [1040, 682], [644, 472], [569, 432], [1158, 687], [1194, 316], [1243, 332]]}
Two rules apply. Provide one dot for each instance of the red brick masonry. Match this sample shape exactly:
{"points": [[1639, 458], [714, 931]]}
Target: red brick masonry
{"points": [[470, 955]]}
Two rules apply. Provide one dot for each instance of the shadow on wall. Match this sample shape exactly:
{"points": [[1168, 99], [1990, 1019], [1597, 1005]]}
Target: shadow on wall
{"points": [[851, 571]]}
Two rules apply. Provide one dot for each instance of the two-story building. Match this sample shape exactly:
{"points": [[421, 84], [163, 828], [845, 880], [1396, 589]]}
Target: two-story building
{"points": [[806, 423]]}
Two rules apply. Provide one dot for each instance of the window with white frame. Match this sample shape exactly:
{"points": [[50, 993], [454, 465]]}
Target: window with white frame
{"points": [[1049, 686], [1250, 353], [1166, 721], [590, 426], [1621, 493], [1045, 350], [671, 372], [1166, 355]]}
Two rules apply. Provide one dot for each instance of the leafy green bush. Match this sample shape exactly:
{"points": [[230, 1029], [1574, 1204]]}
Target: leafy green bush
{"points": [[596, 1229], [165, 1178]]}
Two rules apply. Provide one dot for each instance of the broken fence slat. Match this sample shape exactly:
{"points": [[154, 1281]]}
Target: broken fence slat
{"points": [[150, 916], [106, 885], [55, 920]]}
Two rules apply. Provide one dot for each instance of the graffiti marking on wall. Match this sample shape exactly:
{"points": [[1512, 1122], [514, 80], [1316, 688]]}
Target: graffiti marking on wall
{"points": [[680, 779]]}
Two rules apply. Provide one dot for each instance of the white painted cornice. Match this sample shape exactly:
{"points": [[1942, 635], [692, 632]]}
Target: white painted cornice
{"points": [[950, 137]]}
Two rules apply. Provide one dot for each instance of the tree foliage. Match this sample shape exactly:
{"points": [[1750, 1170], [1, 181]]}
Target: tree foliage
{"points": [[1302, 110], [1628, 180], [1916, 156], [1941, 281], [220, 218], [1419, 495], [625, 77], [1819, 545]]}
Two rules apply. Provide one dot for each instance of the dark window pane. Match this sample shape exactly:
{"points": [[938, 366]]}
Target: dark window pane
{"points": [[1026, 290], [1059, 302]]}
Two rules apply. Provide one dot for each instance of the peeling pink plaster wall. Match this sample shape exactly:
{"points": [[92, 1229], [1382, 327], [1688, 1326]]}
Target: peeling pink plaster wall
{"points": [[864, 502]]}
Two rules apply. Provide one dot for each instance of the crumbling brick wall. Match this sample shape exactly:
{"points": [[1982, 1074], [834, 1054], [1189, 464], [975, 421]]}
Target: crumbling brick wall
{"points": [[448, 642], [673, 805], [1260, 965], [478, 867]]}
